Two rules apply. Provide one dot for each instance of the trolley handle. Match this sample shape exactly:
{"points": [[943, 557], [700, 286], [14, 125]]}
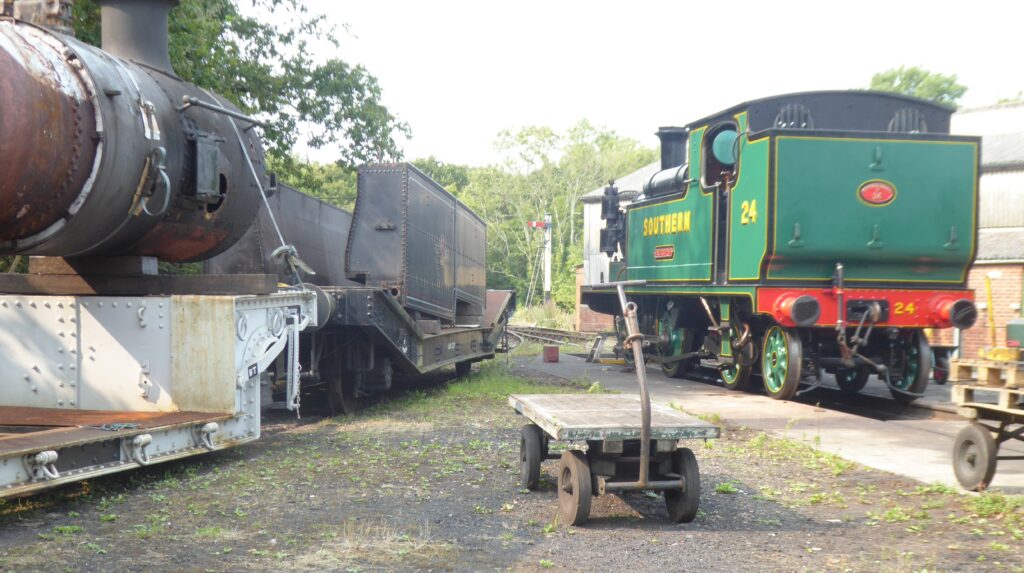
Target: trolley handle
{"points": [[635, 338]]}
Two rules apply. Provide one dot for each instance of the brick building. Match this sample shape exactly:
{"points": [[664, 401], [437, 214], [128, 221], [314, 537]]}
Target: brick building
{"points": [[1000, 254]]}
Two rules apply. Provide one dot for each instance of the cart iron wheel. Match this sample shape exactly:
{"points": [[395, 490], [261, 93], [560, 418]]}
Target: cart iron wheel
{"points": [[574, 488], [462, 369], [974, 457], [781, 361], [531, 442], [917, 369], [736, 376], [852, 380], [682, 504]]}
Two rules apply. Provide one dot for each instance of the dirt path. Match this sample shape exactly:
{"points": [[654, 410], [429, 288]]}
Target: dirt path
{"points": [[429, 481]]}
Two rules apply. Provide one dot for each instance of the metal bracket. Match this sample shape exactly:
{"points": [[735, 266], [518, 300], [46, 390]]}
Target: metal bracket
{"points": [[136, 448], [204, 434], [41, 465]]}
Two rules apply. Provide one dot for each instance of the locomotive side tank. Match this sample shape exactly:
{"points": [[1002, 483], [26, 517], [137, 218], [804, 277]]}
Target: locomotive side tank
{"points": [[800, 233], [108, 152]]}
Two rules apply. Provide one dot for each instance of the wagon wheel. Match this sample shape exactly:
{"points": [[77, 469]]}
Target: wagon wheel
{"points": [[737, 375], [682, 504], [852, 380], [574, 488], [781, 362], [974, 457], [341, 396], [917, 367], [531, 454], [462, 369], [340, 384]]}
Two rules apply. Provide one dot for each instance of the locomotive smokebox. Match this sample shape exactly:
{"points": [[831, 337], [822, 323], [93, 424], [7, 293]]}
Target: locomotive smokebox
{"points": [[100, 157]]}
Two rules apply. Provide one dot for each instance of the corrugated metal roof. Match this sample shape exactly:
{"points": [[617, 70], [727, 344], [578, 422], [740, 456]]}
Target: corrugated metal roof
{"points": [[1002, 151], [1001, 244], [634, 182]]}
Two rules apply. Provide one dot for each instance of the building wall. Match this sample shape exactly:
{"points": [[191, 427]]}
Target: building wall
{"points": [[1007, 292], [1007, 118], [595, 263], [1000, 201], [586, 320]]}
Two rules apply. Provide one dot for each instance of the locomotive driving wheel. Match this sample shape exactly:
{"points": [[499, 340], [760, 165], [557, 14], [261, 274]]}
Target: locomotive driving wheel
{"points": [[916, 364], [852, 380], [781, 361], [737, 375], [674, 341]]}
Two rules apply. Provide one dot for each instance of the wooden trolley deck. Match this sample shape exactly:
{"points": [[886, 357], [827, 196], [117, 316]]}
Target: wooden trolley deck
{"points": [[606, 417]]}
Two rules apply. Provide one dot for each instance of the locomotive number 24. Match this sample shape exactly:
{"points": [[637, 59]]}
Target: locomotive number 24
{"points": [[904, 308], [749, 214]]}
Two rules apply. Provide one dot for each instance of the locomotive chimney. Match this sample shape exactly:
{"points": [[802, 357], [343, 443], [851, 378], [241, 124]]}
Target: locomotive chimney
{"points": [[673, 146], [137, 30]]}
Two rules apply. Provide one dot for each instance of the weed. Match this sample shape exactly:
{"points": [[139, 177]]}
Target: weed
{"points": [[209, 532], [108, 517], [991, 504], [68, 529], [726, 487], [547, 563], [95, 548]]}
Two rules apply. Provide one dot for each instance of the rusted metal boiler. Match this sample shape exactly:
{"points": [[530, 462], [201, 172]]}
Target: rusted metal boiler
{"points": [[109, 153]]}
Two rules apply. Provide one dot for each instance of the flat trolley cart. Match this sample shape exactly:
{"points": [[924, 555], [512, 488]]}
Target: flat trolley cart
{"points": [[976, 448], [610, 427], [630, 445]]}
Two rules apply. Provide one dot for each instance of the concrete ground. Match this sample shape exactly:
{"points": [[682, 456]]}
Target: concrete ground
{"points": [[870, 429]]}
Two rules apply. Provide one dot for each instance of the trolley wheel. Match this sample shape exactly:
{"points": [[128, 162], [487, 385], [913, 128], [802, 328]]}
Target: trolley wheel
{"points": [[940, 372], [574, 488], [682, 504], [852, 380], [781, 361], [974, 457], [914, 377], [462, 369], [531, 454]]}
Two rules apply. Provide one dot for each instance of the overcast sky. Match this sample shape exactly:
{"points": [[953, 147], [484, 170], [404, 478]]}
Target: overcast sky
{"points": [[459, 72]]}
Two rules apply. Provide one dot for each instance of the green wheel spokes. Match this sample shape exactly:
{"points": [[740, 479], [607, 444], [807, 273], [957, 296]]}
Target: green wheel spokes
{"points": [[730, 373], [913, 357], [775, 360]]}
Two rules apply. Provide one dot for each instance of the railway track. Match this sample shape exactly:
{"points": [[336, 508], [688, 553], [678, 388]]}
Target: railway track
{"points": [[552, 335]]}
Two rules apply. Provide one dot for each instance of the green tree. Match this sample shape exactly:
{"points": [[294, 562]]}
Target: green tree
{"points": [[542, 171], [1019, 98], [918, 82], [266, 68], [330, 182]]}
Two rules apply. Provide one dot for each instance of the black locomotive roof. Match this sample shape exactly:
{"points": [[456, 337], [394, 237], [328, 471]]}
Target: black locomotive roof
{"points": [[849, 110]]}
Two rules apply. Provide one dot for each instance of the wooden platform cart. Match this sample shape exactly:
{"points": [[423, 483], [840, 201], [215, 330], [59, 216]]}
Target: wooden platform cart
{"points": [[608, 426], [990, 395], [617, 443]]}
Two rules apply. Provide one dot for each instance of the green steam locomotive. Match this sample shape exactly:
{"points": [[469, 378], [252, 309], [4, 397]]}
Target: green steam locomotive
{"points": [[801, 233]]}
